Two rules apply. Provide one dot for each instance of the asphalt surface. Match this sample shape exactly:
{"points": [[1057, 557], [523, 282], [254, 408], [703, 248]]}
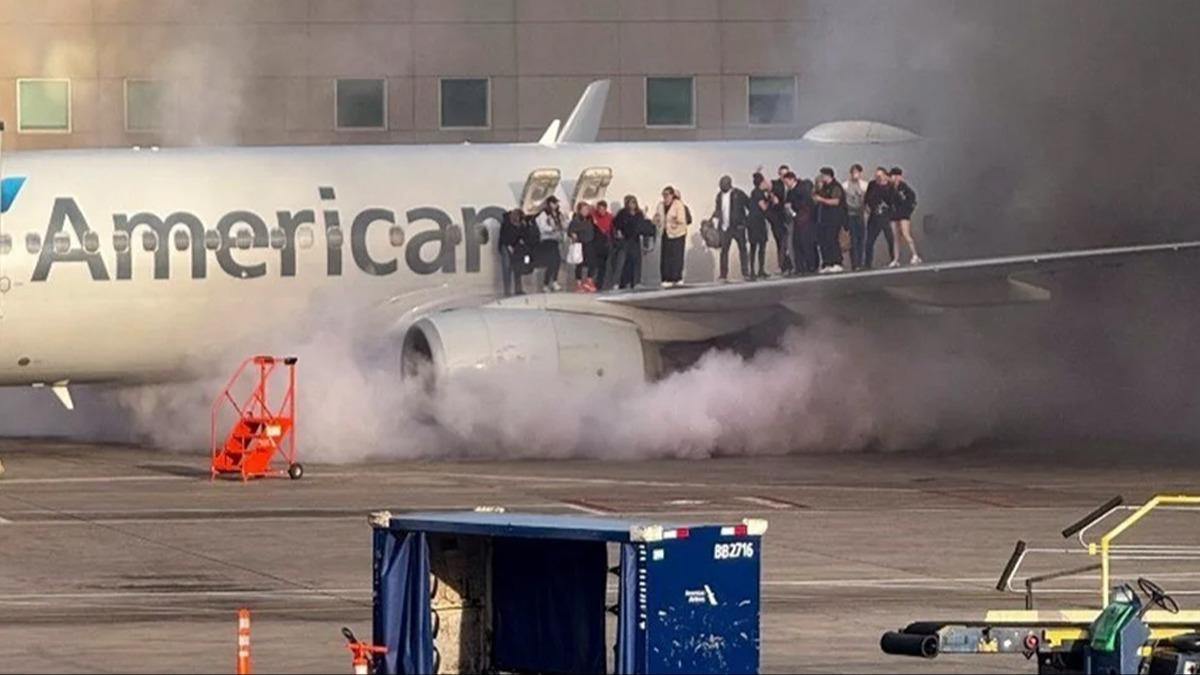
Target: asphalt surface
{"points": [[119, 559]]}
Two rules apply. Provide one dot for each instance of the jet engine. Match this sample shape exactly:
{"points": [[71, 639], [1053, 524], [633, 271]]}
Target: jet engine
{"points": [[538, 340]]}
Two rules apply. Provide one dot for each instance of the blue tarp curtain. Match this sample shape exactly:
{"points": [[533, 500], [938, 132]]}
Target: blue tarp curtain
{"points": [[627, 618], [402, 586], [548, 605]]}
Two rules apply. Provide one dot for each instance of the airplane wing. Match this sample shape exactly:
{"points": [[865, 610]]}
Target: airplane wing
{"points": [[965, 283]]}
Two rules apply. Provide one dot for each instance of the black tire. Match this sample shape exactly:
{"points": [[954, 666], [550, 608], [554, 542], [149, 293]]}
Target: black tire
{"points": [[296, 471]]}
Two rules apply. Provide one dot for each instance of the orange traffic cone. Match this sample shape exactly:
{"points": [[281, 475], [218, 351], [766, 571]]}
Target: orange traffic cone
{"points": [[243, 642]]}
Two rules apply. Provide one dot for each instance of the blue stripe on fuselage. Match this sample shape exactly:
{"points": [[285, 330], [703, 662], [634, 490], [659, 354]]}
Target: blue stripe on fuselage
{"points": [[9, 187]]}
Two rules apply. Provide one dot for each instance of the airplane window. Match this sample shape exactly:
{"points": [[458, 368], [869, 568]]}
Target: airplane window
{"points": [[333, 236], [212, 240], [121, 242], [91, 242], [182, 240], [5, 244], [149, 241], [243, 239], [396, 235], [304, 237], [62, 242], [278, 238], [33, 242]]}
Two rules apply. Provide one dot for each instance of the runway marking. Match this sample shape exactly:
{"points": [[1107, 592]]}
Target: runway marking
{"points": [[586, 507], [201, 476], [772, 503], [320, 593], [95, 479]]}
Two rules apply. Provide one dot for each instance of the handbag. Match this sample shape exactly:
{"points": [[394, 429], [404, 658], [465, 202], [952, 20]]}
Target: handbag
{"points": [[575, 253], [710, 234]]}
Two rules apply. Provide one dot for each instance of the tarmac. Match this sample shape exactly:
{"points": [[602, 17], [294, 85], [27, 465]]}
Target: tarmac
{"points": [[121, 559]]}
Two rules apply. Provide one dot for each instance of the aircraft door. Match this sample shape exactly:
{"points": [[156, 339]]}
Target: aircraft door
{"points": [[540, 184], [592, 185]]}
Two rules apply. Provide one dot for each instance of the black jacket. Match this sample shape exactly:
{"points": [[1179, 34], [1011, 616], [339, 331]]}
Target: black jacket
{"points": [[878, 199], [583, 229], [739, 209], [511, 234], [801, 201], [833, 215], [904, 201], [632, 225], [758, 215]]}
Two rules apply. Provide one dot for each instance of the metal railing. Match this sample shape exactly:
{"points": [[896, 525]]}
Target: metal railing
{"points": [[1105, 548]]}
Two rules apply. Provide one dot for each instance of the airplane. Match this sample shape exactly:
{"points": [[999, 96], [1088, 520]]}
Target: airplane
{"points": [[130, 266]]}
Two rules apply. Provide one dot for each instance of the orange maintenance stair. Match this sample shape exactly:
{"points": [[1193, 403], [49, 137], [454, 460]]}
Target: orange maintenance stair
{"points": [[262, 429]]}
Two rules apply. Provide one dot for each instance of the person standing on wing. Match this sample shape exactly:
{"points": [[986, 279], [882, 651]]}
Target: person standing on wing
{"points": [[730, 213], [672, 220], [904, 202]]}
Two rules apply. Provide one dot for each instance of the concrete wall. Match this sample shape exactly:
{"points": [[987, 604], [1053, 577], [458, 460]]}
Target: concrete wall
{"points": [[263, 71]]}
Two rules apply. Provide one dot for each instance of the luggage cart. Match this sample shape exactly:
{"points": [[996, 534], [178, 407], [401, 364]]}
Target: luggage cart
{"points": [[1139, 629]]}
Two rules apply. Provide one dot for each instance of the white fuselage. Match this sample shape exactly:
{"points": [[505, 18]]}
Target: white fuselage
{"points": [[94, 304]]}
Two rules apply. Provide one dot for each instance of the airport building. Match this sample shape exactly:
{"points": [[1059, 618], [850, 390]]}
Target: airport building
{"points": [[113, 73]]}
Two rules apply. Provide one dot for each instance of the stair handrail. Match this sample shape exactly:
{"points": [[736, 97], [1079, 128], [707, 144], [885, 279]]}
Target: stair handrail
{"points": [[225, 395]]}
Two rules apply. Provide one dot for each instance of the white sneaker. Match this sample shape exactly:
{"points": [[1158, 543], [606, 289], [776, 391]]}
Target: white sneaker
{"points": [[916, 260], [555, 287], [894, 263], [834, 269], [667, 284]]}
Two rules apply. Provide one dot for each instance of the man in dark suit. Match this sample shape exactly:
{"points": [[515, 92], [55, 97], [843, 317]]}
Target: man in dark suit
{"points": [[799, 204], [779, 219], [730, 215]]}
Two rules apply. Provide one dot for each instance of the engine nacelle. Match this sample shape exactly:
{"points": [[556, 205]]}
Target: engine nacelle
{"points": [[562, 343]]}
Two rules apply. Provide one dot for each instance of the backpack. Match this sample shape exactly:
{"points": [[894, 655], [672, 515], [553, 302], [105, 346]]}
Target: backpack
{"points": [[710, 233]]}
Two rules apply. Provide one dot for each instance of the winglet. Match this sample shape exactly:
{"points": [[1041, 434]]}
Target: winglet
{"points": [[550, 137], [64, 394], [583, 126]]}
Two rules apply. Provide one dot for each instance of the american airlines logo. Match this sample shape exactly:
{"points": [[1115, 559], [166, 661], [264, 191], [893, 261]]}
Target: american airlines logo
{"points": [[9, 187], [429, 251]]}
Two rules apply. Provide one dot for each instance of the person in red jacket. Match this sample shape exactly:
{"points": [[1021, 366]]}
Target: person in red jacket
{"points": [[602, 244]]}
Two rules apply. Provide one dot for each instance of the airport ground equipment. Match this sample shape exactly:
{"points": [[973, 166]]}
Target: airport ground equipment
{"points": [[1133, 633], [364, 654], [489, 591], [1126, 637], [263, 426]]}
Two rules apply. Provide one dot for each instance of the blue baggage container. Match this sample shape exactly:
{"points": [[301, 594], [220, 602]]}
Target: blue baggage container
{"points": [[513, 592]]}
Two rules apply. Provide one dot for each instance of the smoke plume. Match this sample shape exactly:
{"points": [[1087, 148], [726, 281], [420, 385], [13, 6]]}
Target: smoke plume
{"points": [[1064, 124]]}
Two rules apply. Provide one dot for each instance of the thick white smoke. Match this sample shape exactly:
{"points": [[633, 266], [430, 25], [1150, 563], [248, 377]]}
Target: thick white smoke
{"points": [[827, 387]]}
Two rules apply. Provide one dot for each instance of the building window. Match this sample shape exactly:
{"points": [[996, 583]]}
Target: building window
{"points": [[361, 104], [465, 103], [670, 102], [144, 105], [44, 106], [772, 100]]}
